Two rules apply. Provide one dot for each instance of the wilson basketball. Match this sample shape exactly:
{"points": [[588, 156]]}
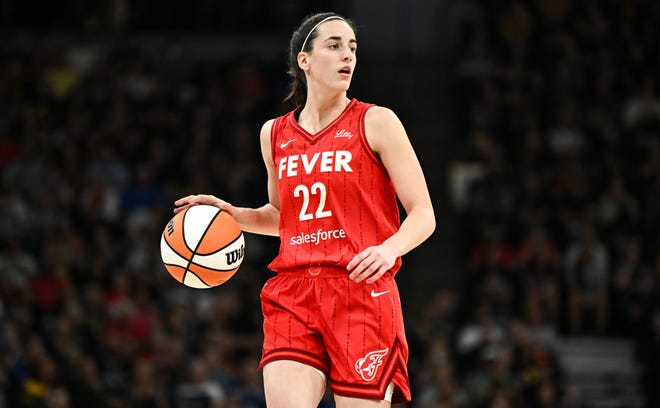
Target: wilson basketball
{"points": [[202, 246]]}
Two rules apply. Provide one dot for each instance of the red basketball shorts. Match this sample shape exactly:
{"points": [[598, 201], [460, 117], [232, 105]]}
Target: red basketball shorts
{"points": [[352, 332]]}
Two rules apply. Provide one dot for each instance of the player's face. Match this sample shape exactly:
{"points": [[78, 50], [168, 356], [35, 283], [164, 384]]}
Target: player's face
{"points": [[333, 58]]}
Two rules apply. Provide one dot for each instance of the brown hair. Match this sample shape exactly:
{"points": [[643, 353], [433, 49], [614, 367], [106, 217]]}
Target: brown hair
{"points": [[298, 88]]}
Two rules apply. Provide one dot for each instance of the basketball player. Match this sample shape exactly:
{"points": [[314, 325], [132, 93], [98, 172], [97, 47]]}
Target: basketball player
{"points": [[332, 314]]}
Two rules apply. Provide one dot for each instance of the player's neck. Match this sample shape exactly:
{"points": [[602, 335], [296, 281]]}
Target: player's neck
{"points": [[318, 113]]}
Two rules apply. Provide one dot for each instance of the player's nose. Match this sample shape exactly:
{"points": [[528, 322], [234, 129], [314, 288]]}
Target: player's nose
{"points": [[348, 55]]}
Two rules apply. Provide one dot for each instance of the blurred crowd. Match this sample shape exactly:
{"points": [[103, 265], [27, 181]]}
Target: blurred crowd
{"points": [[558, 103], [96, 143], [244, 17]]}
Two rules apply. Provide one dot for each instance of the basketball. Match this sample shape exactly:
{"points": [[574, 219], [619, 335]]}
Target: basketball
{"points": [[202, 246]]}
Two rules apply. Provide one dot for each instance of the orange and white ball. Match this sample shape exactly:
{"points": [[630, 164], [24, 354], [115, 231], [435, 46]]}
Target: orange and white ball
{"points": [[202, 246]]}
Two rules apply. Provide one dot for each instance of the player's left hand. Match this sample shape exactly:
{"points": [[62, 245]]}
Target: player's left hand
{"points": [[371, 264]]}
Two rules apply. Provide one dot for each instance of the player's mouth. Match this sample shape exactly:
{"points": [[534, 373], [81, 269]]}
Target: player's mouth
{"points": [[345, 71]]}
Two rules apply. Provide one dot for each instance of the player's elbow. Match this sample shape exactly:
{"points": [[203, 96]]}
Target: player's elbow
{"points": [[428, 223], [431, 223]]}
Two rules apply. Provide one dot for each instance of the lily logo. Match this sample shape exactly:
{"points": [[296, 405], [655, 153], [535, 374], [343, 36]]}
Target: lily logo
{"points": [[343, 133]]}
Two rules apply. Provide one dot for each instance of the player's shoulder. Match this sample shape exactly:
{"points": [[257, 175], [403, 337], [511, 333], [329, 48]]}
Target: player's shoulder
{"points": [[377, 115], [267, 127], [268, 124], [381, 126]]}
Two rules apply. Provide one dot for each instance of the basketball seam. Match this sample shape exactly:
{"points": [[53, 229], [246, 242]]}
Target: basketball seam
{"points": [[194, 251], [173, 250], [220, 249], [190, 262]]}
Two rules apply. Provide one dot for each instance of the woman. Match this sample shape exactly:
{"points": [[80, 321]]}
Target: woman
{"points": [[335, 168]]}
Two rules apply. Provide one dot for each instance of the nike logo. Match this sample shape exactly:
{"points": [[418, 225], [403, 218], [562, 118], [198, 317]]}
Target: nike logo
{"points": [[285, 144], [376, 294]]}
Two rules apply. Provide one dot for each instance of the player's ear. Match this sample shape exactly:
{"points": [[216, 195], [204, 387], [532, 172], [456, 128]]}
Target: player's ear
{"points": [[303, 61]]}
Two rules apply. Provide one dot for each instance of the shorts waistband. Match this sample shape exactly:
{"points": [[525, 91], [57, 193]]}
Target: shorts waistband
{"points": [[326, 271]]}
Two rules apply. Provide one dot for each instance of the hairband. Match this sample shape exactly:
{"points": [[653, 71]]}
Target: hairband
{"points": [[315, 27]]}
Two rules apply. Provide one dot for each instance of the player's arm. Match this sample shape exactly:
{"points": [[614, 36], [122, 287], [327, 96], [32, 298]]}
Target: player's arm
{"points": [[263, 220], [388, 139]]}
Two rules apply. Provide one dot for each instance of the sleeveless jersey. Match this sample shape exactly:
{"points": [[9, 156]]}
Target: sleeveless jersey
{"points": [[335, 194]]}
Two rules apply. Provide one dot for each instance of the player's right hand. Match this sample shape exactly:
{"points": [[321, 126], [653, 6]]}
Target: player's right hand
{"points": [[200, 199]]}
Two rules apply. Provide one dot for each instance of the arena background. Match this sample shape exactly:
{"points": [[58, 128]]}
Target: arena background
{"points": [[537, 125]]}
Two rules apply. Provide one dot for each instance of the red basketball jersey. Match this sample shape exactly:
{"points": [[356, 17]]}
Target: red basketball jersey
{"points": [[335, 194]]}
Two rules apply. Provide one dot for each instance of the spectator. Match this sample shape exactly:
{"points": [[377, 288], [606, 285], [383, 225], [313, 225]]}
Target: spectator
{"points": [[199, 390], [58, 398], [587, 278], [538, 265]]}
